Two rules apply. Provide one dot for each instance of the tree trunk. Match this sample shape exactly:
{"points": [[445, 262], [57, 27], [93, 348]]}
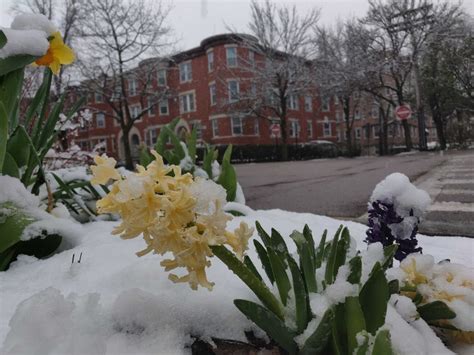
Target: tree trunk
{"points": [[406, 128], [349, 146], [440, 131], [284, 139], [127, 149]]}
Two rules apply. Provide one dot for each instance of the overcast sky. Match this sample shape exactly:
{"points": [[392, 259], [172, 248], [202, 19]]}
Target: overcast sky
{"points": [[194, 20]]}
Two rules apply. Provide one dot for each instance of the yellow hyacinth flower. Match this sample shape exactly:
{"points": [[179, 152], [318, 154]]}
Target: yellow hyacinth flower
{"points": [[104, 170], [58, 54]]}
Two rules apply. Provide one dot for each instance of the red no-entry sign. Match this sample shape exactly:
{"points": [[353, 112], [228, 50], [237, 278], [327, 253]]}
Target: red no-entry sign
{"points": [[403, 112], [275, 129]]}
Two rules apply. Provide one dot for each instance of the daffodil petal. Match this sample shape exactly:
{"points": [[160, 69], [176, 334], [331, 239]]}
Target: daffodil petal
{"points": [[64, 54]]}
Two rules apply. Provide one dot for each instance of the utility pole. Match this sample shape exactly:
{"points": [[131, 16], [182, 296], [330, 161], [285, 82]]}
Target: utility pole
{"points": [[408, 23]]}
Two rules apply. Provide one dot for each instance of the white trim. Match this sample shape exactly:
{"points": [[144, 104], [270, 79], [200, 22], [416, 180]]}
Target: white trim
{"points": [[220, 115]]}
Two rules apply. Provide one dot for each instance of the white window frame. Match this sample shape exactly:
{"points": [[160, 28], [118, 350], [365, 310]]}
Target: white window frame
{"points": [[357, 114], [160, 77], [231, 61], [309, 128], [215, 127], [239, 125], [293, 103], [185, 98], [98, 97], [160, 106], [229, 90], [358, 133], [151, 108], [149, 137], [308, 103], [185, 72], [137, 109], [210, 61], [375, 131], [132, 86], [213, 93], [295, 128], [325, 104], [252, 57], [327, 128], [97, 115]]}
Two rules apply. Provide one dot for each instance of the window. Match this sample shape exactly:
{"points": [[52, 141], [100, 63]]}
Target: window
{"points": [[293, 102], [375, 131], [210, 61], [234, 90], [151, 137], [237, 126], [338, 116], [213, 93], [375, 111], [135, 111], [338, 135], [185, 72], [336, 100], [231, 54], [253, 88], [294, 129], [164, 109], [327, 128], [309, 129], [151, 106], [198, 126], [256, 127], [98, 97], [116, 93], [215, 127], [162, 77], [357, 114], [100, 120], [186, 102], [251, 57], [358, 133], [132, 87], [325, 104], [308, 103]]}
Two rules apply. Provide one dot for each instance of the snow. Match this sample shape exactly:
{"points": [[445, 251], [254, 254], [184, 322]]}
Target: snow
{"points": [[32, 42], [397, 189], [114, 302], [33, 22]]}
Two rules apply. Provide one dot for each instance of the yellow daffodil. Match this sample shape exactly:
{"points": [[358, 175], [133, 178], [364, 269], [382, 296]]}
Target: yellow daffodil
{"points": [[174, 213], [104, 170], [58, 54]]}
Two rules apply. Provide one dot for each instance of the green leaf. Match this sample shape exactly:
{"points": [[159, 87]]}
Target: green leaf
{"points": [[191, 143], [248, 262], [10, 167], [247, 276], [364, 347], [317, 341], [163, 137], [228, 177], [308, 235], [263, 256], [382, 343], [341, 251], [306, 261], [269, 323], [355, 265], [339, 332], [7, 257], [263, 235], [13, 225], [48, 131], [388, 253], [319, 253], [18, 146], [331, 262], [178, 150], [3, 39], [394, 287], [278, 244], [374, 298], [279, 272], [434, 311], [10, 88], [303, 313], [3, 134], [145, 156], [9, 64], [207, 162], [40, 247], [354, 320]]}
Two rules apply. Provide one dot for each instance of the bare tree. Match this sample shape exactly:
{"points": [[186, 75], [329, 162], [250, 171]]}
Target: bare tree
{"points": [[117, 35], [402, 30], [340, 69], [281, 44]]}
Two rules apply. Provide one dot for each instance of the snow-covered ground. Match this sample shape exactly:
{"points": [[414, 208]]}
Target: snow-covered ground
{"points": [[113, 302]]}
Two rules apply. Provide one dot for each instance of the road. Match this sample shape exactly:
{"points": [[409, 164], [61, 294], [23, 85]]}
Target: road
{"points": [[341, 187]]}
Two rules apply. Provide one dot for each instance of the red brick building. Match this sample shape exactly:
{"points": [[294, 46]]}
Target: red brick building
{"points": [[200, 80]]}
